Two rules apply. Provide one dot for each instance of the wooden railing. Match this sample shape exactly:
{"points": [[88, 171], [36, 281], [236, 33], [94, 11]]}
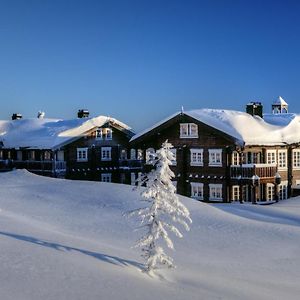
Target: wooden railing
{"points": [[246, 171]]}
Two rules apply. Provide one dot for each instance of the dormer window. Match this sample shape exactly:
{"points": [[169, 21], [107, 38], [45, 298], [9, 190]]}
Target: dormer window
{"points": [[188, 130], [104, 134]]}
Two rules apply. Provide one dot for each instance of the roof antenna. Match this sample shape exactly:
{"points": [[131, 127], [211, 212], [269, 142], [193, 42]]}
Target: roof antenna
{"points": [[182, 111]]}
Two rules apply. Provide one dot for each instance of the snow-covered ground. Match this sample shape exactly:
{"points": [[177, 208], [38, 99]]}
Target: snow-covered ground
{"points": [[64, 239]]}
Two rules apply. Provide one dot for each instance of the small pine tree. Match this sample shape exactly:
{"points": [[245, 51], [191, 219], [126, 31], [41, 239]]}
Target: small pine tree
{"points": [[165, 208]]}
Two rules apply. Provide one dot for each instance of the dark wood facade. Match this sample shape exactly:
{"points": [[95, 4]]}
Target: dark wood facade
{"points": [[121, 166], [232, 179]]}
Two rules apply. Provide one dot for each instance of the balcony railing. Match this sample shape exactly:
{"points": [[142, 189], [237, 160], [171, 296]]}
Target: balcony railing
{"points": [[246, 171]]}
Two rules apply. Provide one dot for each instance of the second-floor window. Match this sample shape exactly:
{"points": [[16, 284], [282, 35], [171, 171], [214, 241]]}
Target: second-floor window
{"points": [[47, 155], [296, 158], [31, 155], [196, 157], [1, 154], [174, 161], [106, 153], [150, 155], [82, 154], [282, 159], [215, 157], [235, 158], [271, 157], [188, 130]]}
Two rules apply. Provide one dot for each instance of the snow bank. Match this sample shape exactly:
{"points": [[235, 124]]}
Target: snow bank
{"points": [[65, 239]]}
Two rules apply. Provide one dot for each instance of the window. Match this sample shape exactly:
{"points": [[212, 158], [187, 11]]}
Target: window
{"points": [[196, 157], [282, 161], [197, 190], [235, 159], [123, 154], [173, 161], [215, 157], [103, 134], [82, 154], [271, 157], [132, 154], [215, 192], [31, 155], [106, 153], [1, 154], [235, 193], [150, 155], [106, 177], [296, 158], [47, 155], [188, 130], [8, 155], [270, 191], [283, 190]]}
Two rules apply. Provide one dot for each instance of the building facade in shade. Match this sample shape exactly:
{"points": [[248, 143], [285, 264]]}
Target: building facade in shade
{"points": [[83, 148], [226, 156]]}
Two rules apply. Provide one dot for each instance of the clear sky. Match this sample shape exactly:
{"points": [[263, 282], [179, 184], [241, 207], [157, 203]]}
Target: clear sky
{"points": [[140, 61]]}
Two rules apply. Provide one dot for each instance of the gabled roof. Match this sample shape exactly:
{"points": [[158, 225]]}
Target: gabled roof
{"points": [[50, 133], [244, 128], [280, 101]]}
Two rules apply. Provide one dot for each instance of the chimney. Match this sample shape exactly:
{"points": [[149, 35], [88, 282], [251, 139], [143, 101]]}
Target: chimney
{"points": [[255, 109], [83, 113], [16, 117]]}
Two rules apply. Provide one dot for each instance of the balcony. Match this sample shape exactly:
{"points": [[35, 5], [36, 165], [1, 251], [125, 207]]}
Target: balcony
{"points": [[130, 163], [265, 172]]}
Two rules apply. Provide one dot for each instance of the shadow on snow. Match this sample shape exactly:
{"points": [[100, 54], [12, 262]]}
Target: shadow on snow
{"points": [[59, 247]]}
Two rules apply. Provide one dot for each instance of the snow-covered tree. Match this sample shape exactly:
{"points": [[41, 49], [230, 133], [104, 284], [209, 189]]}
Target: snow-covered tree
{"points": [[164, 210]]}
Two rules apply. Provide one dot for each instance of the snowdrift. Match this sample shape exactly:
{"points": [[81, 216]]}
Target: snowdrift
{"points": [[65, 239]]}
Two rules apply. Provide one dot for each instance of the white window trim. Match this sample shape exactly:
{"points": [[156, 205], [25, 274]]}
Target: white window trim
{"points": [[214, 163], [296, 166], [188, 130], [103, 150], [215, 187], [106, 175], [270, 187], [104, 134], [233, 188], [174, 162], [80, 159], [196, 163], [274, 155], [237, 155], [197, 185], [285, 160]]}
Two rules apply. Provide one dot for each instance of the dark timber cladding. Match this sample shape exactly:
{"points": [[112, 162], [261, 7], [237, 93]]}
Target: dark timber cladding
{"points": [[208, 139]]}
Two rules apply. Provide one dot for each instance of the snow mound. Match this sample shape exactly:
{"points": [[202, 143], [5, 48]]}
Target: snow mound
{"points": [[65, 239]]}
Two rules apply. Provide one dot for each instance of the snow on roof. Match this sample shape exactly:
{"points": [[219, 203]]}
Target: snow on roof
{"points": [[244, 128], [280, 101], [48, 133]]}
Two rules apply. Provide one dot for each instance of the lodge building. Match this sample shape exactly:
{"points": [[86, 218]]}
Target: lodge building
{"points": [[83, 148], [229, 156]]}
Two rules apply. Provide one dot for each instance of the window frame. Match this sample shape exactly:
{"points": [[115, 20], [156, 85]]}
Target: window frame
{"points": [[197, 190], [104, 151], [186, 130], [296, 159], [196, 162], [215, 192], [106, 175], [213, 157], [82, 158], [282, 161]]}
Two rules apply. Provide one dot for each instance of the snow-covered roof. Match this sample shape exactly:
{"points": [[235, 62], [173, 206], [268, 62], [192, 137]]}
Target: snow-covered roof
{"points": [[49, 133], [245, 128], [280, 101]]}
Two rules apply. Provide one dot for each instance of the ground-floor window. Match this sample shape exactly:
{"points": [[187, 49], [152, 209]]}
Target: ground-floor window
{"points": [[270, 191], [106, 177], [132, 178], [235, 193], [283, 190], [197, 190], [215, 192]]}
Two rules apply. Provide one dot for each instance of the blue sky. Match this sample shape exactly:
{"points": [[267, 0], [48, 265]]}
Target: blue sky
{"points": [[140, 61]]}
